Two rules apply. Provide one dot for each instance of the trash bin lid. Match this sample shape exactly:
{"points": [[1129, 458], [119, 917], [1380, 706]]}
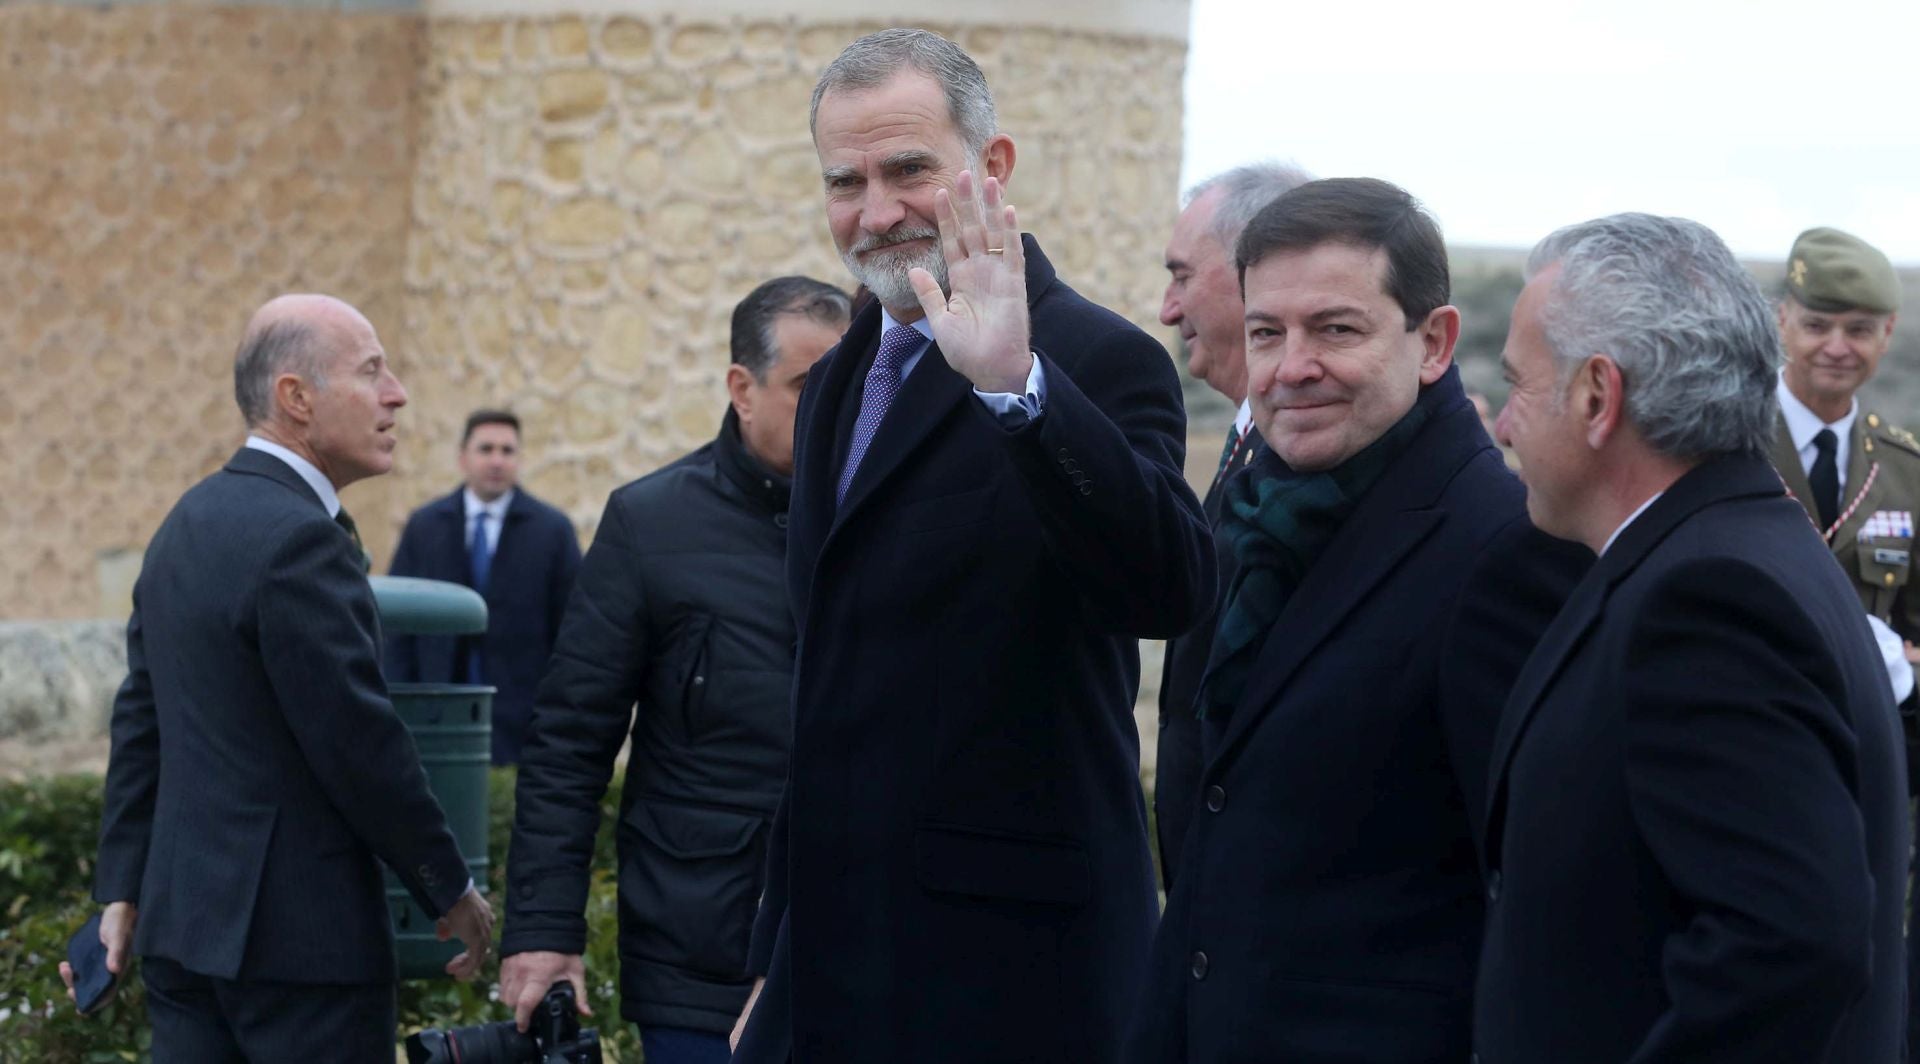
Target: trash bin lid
{"points": [[412, 606]]}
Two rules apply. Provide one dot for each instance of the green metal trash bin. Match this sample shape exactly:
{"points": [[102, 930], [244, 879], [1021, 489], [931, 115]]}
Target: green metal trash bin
{"points": [[452, 726]]}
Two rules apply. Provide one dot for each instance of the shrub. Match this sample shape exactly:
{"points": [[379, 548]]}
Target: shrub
{"points": [[48, 834]]}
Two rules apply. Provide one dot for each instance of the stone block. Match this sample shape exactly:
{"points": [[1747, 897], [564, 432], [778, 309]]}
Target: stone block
{"points": [[571, 95]]}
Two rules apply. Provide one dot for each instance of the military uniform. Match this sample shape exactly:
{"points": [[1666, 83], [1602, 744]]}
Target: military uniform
{"points": [[1879, 504], [1872, 514]]}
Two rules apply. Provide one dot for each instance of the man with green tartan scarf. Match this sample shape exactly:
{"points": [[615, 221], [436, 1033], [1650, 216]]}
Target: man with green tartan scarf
{"points": [[1328, 904]]}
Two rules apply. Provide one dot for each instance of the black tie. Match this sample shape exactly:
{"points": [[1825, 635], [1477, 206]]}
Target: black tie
{"points": [[1824, 478], [345, 520]]}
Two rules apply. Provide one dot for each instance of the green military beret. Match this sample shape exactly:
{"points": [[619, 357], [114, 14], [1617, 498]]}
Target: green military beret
{"points": [[1831, 271]]}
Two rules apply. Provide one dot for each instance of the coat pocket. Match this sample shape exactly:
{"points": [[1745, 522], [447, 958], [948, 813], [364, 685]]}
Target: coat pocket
{"points": [[690, 882], [990, 864], [692, 647]]}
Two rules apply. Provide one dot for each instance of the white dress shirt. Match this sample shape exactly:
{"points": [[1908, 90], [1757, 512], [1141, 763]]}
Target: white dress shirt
{"points": [[1630, 519], [1803, 425], [1243, 419], [315, 479], [1001, 403], [496, 512]]}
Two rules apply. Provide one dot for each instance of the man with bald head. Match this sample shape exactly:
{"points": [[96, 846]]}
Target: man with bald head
{"points": [[258, 769]]}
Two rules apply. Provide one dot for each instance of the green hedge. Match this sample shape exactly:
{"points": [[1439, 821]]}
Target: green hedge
{"points": [[47, 840]]}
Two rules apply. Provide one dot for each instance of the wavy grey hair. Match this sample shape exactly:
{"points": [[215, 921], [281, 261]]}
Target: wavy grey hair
{"points": [[1243, 191], [873, 60], [1688, 326]]}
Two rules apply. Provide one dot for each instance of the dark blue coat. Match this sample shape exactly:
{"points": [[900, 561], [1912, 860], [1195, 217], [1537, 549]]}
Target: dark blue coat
{"points": [[1327, 905], [257, 767], [959, 870], [527, 588], [1698, 833]]}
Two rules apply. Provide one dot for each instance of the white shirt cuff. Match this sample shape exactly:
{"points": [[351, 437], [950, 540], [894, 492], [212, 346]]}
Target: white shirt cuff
{"points": [[1029, 405]]}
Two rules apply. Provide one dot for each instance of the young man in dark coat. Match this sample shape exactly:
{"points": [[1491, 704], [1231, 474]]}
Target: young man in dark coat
{"points": [[682, 608], [1388, 585], [519, 553]]}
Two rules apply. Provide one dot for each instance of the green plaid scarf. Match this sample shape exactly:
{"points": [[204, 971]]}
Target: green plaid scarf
{"points": [[1278, 522]]}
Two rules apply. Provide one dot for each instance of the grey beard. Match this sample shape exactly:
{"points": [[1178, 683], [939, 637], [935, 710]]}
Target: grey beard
{"points": [[885, 274]]}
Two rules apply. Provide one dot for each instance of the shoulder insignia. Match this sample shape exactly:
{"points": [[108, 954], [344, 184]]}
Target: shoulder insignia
{"points": [[1895, 435]]}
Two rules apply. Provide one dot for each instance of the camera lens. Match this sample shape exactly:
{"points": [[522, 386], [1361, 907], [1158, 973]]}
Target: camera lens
{"points": [[486, 1043]]}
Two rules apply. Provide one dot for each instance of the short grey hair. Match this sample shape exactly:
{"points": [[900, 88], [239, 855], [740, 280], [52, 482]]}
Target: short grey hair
{"points": [[873, 60], [1692, 333], [279, 347], [1243, 191]]}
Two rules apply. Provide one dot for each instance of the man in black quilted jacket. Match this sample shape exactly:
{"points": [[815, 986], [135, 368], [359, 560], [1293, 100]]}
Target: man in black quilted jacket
{"points": [[680, 607]]}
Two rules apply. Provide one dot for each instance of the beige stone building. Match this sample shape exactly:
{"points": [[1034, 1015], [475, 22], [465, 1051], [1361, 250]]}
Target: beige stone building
{"points": [[540, 204]]}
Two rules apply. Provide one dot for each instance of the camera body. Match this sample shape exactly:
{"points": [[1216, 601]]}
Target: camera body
{"points": [[552, 1037]]}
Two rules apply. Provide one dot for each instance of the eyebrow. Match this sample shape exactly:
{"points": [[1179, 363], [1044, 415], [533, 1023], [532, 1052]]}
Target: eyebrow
{"points": [[834, 173], [911, 155], [1339, 312]]}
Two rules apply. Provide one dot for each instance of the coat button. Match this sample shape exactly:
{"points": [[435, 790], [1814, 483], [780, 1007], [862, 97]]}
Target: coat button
{"points": [[1216, 798], [1064, 455], [699, 681], [1493, 886], [1085, 488], [1199, 965]]}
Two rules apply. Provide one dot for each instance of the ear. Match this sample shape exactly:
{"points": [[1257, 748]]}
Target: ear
{"points": [[997, 158], [1438, 335], [1600, 395], [1780, 313], [740, 391], [294, 398], [1887, 333]]}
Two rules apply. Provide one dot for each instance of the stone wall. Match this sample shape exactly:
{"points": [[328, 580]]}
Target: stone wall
{"points": [[595, 193], [164, 170], [552, 212]]}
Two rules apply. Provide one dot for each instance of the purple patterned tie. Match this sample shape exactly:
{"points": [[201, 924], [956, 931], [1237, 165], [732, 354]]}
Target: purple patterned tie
{"points": [[883, 383]]}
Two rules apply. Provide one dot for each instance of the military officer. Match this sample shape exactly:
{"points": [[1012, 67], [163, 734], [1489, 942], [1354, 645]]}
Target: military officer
{"points": [[1857, 474]]}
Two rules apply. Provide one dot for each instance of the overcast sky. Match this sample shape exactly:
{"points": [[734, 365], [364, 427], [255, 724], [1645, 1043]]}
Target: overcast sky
{"points": [[1510, 118]]}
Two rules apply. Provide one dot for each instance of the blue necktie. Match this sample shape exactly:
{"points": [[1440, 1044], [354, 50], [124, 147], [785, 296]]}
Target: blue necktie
{"points": [[883, 383], [479, 563]]}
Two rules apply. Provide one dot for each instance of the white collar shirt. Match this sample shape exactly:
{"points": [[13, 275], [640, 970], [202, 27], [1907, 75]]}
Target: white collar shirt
{"points": [[1803, 425], [496, 512], [315, 479]]}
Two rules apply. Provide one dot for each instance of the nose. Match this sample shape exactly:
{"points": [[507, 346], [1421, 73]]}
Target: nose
{"points": [[1298, 363], [880, 209], [1835, 345], [1170, 313], [395, 394]]}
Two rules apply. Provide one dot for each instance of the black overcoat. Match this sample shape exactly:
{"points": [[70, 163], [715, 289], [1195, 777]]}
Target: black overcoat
{"points": [[1327, 904], [1698, 830], [959, 871]]}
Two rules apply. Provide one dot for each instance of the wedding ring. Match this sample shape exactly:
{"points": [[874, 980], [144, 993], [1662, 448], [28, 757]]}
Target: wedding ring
{"points": [[996, 251]]}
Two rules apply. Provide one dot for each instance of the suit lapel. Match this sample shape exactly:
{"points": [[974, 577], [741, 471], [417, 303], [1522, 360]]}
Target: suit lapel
{"points": [[1550, 654], [1714, 481], [926, 396], [1370, 546], [1786, 461], [1859, 463], [1387, 524], [830, 389]]}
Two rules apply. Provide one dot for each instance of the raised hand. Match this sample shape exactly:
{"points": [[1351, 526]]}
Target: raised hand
{"points": [[981, 326]]}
